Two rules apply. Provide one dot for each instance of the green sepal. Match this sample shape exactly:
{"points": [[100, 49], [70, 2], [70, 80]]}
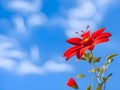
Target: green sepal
{"points": [[89, 87], [96, 59], [87, 56], [80, 76], [92, 70]]}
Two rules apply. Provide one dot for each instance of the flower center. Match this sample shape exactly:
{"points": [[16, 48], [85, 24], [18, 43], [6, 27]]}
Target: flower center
{"points": [[86, 41]]}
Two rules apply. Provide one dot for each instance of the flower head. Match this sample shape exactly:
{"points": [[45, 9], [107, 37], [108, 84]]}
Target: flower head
{"points": [[72, 83], [85, 42]]}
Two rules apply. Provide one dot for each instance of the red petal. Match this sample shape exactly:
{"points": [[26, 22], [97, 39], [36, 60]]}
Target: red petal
{"points": [[97, 33], [72, 83], [85, 35], [101, 40], [80, 52], [91, 47], [104, 35], [70, 55], [74, 41], [70, 52]]}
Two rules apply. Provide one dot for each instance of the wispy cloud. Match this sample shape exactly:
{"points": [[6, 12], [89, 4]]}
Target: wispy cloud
{"points": [[35, 53], [51, 66], [19, 24], [17, 60], [27, 67], [36, 20], [86, 12], [27, 15], [23, 6], [10, 49], [7, 64]]}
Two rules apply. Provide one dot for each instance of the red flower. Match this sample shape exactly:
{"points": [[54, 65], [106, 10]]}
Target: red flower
{"points": [[72, 83], [86, 42]]}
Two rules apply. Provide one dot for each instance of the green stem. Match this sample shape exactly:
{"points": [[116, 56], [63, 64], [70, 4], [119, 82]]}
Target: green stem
{"points": [[96, 73], [94, 67]]}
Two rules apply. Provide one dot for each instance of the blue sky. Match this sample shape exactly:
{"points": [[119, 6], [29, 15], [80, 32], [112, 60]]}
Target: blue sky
{"points": [[32, 41]]}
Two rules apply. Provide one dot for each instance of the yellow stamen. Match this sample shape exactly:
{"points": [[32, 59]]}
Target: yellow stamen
{"points": [[86, 39]]}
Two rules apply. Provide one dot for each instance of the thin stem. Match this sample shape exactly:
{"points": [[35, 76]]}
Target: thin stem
{"points": [[104, 71], [96, 73], [94, 67], [104, 86]]}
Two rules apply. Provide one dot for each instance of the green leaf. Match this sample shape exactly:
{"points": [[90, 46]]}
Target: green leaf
{"points": [[93, 70], [111, 56], [108, 62], [107, 78], [89, 87], [104, 79], [80, 76], [109, 59], [96, 59], [83, 58]]}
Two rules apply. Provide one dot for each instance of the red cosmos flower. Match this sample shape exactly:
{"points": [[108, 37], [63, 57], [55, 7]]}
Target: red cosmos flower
{"points": [[72, 83], [86, 42]]}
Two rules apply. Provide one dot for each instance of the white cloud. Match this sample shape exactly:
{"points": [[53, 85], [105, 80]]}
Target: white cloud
{"points": [[36, 19], [17, 60], [76, 25], [56, 21], [35, 53], [79, 24], [16, 54], [104, 3], [98, 17], [24, 7], [23, 26], [7, 64], [27, 15], [28, 68], [10, 49], [86, 12], [19, 24], [6, 45], [51, 66]]}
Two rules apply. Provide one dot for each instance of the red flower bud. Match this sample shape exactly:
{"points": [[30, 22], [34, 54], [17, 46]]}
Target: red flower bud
{"points": [[72, 83]]}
